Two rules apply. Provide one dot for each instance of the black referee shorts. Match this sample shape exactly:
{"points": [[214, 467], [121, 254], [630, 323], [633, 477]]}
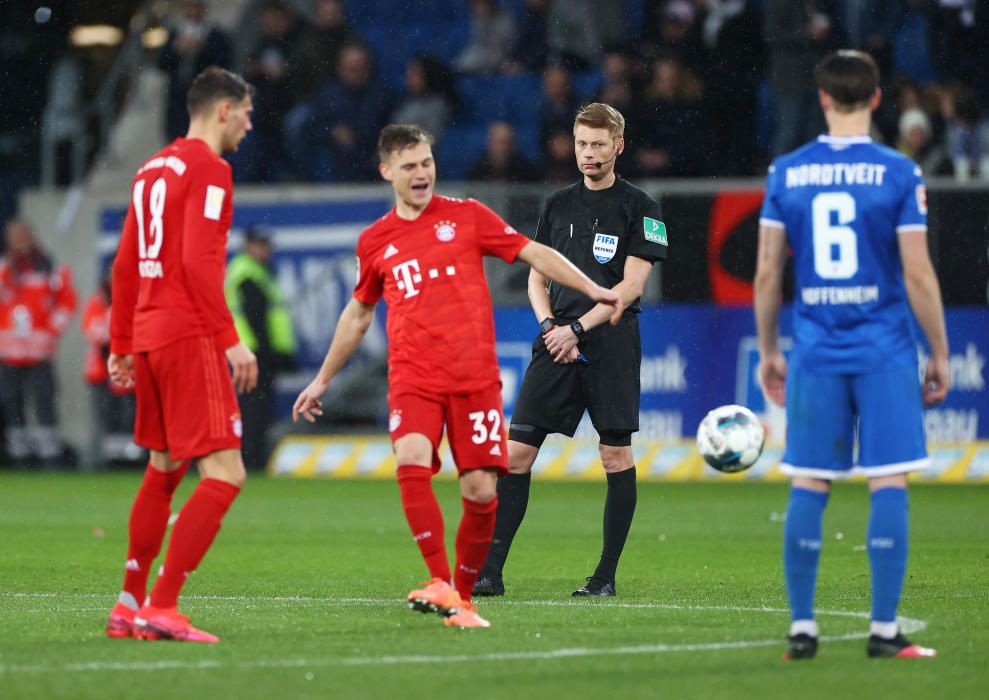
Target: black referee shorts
{"points": [[554, 396]]}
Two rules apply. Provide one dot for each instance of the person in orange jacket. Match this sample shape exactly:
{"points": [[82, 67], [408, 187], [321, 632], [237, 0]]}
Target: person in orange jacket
{"points": [[112, 403], [36, 301]]}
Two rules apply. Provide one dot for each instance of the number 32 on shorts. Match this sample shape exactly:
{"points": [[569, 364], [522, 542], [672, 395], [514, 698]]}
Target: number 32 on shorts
{"points": [[486, 426]]}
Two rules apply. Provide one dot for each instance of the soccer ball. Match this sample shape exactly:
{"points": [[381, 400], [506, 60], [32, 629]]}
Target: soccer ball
{"points": [[730, 438]]}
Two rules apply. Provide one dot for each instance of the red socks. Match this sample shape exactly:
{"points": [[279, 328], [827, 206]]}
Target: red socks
{"points": [[192, 536], [148, 522], [425, 518], [473, 541]]}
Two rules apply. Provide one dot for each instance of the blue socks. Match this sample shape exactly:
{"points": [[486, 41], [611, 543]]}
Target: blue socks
{"points": [[802, 549], [887, 544]]}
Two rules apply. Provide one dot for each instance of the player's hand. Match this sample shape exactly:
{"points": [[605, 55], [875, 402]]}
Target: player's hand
{"points": [[121, 369], [611, 298], [560, 341], [245, 367], [309, 404], [937, 380], [772, 377]]}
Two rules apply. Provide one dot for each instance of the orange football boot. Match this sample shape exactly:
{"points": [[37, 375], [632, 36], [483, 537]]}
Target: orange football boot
{"points": [[466, 617], [120, 624], [437, 596], [168, 623]]}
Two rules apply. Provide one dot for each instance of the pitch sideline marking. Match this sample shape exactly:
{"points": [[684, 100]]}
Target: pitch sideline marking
{"points": [[908, 625]]}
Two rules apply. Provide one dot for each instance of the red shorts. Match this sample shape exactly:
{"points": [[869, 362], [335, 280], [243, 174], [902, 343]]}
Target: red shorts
{"points": [[186, 404], [474, 422]]}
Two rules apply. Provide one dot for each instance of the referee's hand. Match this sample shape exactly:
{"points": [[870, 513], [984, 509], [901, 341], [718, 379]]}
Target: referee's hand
{"points": [[611, 298]]}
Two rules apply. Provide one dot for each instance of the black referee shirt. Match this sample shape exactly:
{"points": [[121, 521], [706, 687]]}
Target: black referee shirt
{"points": [[596, 230]]}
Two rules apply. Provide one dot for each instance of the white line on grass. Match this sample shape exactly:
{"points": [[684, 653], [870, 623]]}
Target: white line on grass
{"points": [[907, 625]]}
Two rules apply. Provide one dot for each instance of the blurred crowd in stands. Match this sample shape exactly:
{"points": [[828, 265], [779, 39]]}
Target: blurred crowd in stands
{"points": [[709, 87]]}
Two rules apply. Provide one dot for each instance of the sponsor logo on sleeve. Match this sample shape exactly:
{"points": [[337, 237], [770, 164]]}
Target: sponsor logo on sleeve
{"points": [[214, 202], [922, 199], [654, 230]]}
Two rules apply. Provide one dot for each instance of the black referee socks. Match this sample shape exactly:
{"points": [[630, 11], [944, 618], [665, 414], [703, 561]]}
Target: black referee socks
{"points": [[619, 507], [513, 499]]}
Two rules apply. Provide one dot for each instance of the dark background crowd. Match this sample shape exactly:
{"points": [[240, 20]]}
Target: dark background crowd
{"points": [[709, 87]]}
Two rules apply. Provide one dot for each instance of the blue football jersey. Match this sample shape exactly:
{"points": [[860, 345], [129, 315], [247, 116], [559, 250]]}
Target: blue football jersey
{"points": [[842, 202]]}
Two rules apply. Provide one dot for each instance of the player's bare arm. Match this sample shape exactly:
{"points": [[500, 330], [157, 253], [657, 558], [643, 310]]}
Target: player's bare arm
{"points": [[768, 302], [561, 340], [924, 294], [557, 268], [353, 324]]}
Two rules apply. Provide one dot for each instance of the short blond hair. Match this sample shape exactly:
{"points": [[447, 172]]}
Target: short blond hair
{"points": [[598, 115]]}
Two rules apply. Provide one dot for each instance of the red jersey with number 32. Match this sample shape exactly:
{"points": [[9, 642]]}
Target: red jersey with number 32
{"points": [[430, 272], [171, 260]]}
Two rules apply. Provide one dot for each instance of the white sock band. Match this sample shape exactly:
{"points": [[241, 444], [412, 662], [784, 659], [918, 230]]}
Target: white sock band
{"points": [[808, 627], [886, 630]]}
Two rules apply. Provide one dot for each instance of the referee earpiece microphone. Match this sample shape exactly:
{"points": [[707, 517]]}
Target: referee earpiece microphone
{"points": [[599, 163]]}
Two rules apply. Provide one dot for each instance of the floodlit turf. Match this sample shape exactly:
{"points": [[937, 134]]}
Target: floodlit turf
{"points": [[306, 582]]}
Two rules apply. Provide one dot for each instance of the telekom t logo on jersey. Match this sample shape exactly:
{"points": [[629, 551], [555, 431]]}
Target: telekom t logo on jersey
{"points": [[407, 275]]}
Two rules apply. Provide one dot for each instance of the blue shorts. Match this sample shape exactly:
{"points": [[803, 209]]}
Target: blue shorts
{"points": [[826, 412]]}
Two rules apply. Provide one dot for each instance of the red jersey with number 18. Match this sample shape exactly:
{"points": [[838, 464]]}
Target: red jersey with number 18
{"points": [[171, 260], [430, 272]]}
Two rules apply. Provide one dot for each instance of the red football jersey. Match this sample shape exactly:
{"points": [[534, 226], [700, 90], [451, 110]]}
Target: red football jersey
{"points": [[431, 274], [171, 260]]}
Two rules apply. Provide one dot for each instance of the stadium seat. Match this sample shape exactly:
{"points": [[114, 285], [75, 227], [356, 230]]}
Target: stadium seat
{"points": [[912, 51], [520, 97], [480, 99], [461, 146], [587, 85]]}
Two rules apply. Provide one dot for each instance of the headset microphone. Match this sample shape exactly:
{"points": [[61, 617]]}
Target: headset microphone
{"points": [[605, 162]]}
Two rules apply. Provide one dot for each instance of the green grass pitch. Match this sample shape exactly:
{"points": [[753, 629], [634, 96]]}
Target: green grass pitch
{"points": [[306, 583]]}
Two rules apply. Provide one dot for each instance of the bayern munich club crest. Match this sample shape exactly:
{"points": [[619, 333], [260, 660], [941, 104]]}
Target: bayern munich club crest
{"points": [[394, 420], [446, 231]]}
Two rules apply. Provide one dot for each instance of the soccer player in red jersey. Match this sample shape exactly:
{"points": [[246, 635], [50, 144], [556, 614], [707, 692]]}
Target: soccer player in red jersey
{"points": [[172, 337], [425, 258]]}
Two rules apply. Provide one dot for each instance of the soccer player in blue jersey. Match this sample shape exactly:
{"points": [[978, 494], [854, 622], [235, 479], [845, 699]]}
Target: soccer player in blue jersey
{"points": [[854, 214]]}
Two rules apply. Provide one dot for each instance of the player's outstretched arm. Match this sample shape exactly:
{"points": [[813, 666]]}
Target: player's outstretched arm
{"points": [[554, 266], [924, 294], [768, 302], [539, 295], [353, 324]]}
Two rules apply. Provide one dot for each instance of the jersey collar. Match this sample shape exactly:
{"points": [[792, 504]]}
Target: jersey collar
{"points": [[843, 140]]}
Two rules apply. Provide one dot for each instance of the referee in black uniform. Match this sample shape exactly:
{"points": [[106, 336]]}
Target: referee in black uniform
{"points": [[612, 231]]}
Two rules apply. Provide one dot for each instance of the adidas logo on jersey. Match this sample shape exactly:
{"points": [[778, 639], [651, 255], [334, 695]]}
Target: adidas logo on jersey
{"points": [[496, 451], [390, 251]]}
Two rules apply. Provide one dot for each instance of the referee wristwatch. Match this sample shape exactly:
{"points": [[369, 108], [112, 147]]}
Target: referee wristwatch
{"points": [[546, 324], [578, 329]]}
